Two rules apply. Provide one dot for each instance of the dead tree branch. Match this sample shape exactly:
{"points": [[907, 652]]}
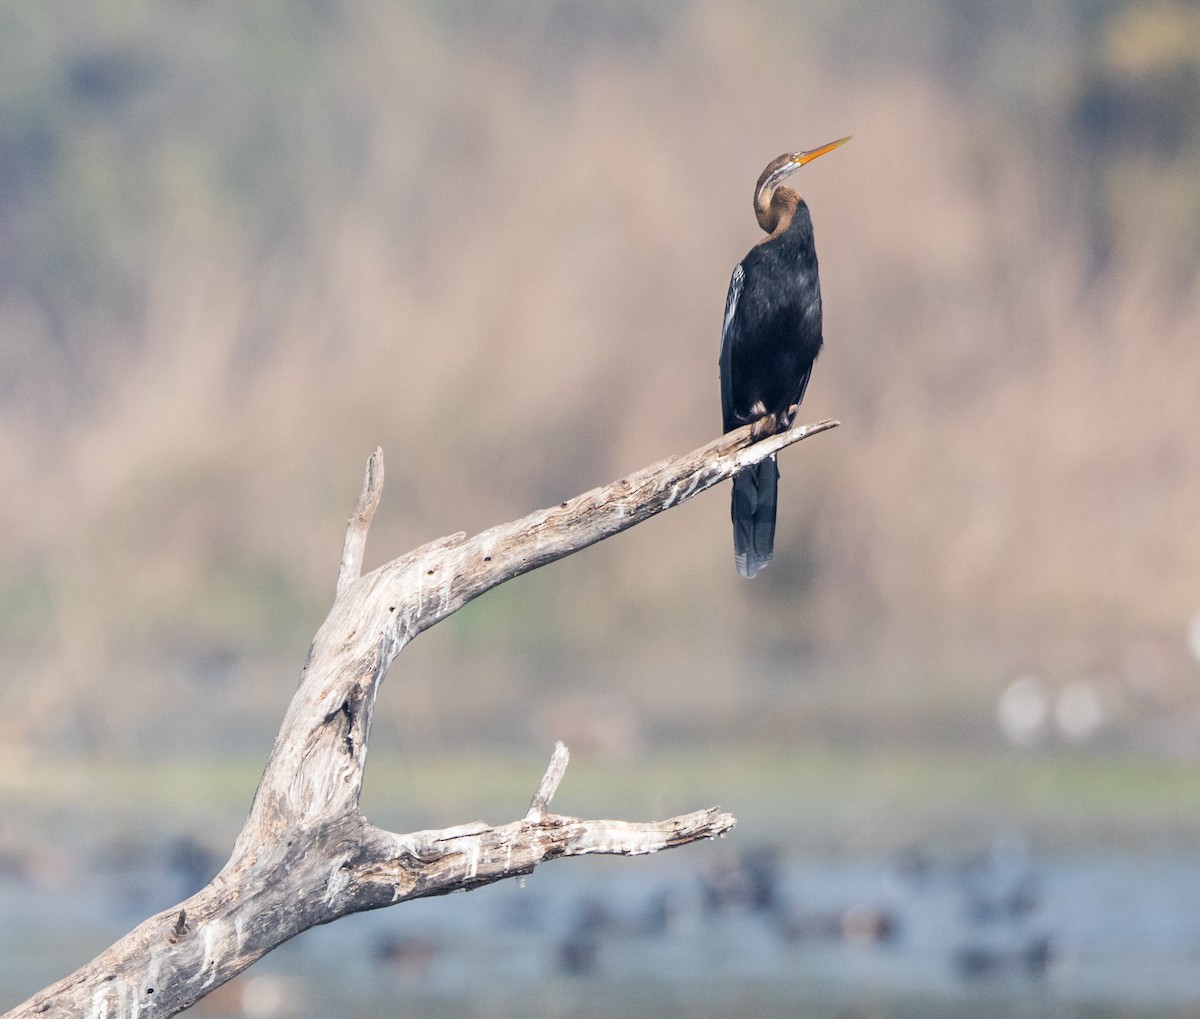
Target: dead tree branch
{"points": [[306, 854]]}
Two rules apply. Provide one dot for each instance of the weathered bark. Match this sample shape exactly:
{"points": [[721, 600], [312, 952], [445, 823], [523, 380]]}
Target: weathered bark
{"points": [[306, 854]]}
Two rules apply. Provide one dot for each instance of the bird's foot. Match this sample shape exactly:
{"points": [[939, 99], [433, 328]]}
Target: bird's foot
{"points": [[766, 425]]}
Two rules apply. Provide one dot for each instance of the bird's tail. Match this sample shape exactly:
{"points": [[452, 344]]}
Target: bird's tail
{"points": [[753, 511]]}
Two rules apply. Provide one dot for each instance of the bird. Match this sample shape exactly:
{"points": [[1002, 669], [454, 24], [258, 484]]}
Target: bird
{"points": [[770, 338]]}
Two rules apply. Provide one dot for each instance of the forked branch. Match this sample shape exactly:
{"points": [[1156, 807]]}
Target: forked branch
{"points": [[306, 854]]}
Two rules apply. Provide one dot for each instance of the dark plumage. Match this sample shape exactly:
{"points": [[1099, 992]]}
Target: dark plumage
{"points": [[771, 337]]}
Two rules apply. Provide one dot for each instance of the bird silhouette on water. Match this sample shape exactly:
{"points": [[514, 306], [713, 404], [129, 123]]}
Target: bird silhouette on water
{"points": [[769, 341]]}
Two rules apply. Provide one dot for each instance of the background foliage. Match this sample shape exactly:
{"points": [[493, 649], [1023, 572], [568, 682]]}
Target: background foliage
{"points": [[240, 245]]}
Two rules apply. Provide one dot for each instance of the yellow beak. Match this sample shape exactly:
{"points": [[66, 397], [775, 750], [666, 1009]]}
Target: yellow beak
{"points": [[800, 158]]}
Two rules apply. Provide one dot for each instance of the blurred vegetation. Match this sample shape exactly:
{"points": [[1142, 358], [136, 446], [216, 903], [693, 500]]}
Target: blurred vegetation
{"points": [[819, 800], [240, 245]]}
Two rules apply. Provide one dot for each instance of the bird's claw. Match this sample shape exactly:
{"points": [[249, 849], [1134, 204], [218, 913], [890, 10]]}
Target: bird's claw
{"points": [[766, 425]]}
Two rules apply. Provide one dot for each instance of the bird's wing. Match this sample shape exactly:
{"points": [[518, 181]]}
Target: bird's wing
{"points": [[736, 282], [803, 387], [728, 332], [788, 417]]}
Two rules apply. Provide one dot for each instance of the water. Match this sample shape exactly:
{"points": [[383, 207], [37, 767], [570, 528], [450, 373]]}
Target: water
{"points": [[694, 933]]}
